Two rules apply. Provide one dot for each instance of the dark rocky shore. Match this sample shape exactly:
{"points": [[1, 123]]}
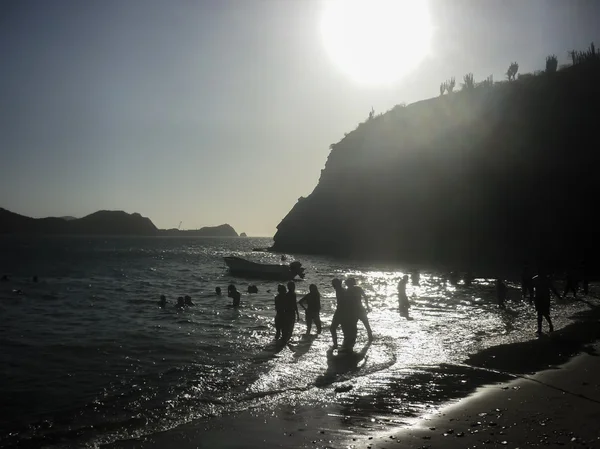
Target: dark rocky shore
{"points": [[485, 178]]}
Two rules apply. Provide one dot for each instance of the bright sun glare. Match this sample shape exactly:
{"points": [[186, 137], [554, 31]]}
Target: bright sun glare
{"points": [[376, 41]]}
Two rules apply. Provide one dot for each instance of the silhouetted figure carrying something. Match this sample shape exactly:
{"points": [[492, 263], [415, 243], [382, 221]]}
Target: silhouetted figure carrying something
{"points": [[279, 310], [526, 284], [572, 284], [403, 303], [343, 316], [233, 293], [355, 296], [290, 312], [501, 292], [312, 308], [542, 287]]}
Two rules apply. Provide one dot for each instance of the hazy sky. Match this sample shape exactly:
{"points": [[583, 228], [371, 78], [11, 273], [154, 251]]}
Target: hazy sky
{"points": [[212, 112]]}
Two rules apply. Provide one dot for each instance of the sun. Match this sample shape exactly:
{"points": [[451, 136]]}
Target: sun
{"points": [[376, 41]]}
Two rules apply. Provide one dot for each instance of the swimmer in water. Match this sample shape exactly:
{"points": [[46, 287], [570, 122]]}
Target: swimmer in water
{"points": [[188, 300], [163, 301], [233, 293], [218, 291], [180, 302]]}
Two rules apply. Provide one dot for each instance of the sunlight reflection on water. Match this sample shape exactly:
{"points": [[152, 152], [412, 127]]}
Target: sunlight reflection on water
{"points": [[120, 366]]}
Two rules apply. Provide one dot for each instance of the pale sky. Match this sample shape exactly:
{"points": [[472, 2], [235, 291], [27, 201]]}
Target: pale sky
{"points": [[211, 112]]}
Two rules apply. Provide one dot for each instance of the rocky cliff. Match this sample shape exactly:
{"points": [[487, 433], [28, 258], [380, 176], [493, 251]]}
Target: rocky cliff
{"points": [[99, 223], [489, 176]]}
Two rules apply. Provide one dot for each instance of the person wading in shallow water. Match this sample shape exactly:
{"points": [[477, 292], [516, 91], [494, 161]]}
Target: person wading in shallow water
{"points": [[542, 287], [279, 310], [312, 308], [501, 291], [233, 293], [290, 312], [403, 303], [355, 297], [342, 316]]}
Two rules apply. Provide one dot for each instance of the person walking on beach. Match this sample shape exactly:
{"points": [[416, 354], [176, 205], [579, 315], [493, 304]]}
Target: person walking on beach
{"points": [[343, 316], [542, 288], [572, 284], [526, 284], [501, 291], [279, 310], [312, 308], [355, 296], [233, 293], [403, 303], [290, 312]]}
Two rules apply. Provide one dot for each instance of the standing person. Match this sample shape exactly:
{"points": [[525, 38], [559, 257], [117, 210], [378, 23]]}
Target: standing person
{"points": [[572, 284], [233, 293], [501, 291], [279, 310], [290, 312], [542, 287], [312, 308], [403, 303], [342, 316], [355, 297], [526, 284]]}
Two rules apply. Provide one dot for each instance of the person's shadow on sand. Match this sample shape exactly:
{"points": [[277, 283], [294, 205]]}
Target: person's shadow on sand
{"points": [[341, 363], [303, 345]]}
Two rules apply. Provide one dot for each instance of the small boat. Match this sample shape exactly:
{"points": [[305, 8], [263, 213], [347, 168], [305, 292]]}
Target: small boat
{"points": [[243, 267]]}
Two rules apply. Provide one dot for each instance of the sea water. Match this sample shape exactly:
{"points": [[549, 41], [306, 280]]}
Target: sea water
{"points": [[88, 358]]}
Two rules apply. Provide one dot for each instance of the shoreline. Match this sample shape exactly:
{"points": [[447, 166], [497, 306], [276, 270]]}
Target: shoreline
{"points": [[488, 375], [555, 407]]}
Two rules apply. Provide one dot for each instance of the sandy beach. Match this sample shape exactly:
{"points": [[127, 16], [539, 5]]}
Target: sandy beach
{"points": [[559, 407]]}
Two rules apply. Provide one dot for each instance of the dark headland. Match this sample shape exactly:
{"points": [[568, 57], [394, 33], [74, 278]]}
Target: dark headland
{"points": [[99, 223], [490, 176]]}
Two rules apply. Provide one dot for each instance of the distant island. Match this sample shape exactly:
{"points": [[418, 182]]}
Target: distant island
{"points": [[494, 175], [99, 223], [223, 230]]}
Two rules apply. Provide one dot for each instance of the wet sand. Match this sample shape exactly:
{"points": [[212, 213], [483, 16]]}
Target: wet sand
{"points": [[553, 400], [555, 408]]}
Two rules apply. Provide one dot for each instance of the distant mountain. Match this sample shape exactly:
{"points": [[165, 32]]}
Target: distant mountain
{"points": [[223, 230], [68, 218], [99, 223]]}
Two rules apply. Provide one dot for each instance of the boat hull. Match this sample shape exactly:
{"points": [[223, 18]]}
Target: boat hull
{"points": [[245, 268]]}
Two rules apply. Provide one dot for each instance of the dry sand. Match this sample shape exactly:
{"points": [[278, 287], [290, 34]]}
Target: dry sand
{"points": [[555, 408]]}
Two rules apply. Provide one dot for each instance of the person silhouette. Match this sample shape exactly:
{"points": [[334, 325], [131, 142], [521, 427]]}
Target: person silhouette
{"points": [[218, 291], [343, 316], [501, 291], [355, 297], [542, 287], [290, 312], [312, 308], [163, 301], [403, 303], [279, 310], [233, 293]]}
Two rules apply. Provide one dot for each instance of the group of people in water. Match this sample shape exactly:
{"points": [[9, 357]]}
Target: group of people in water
{"points": [[350, 310]]}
